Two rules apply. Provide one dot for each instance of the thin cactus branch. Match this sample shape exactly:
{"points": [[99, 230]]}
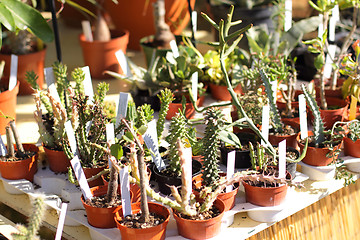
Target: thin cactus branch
{"points": [[166, 97], [20, 149]]}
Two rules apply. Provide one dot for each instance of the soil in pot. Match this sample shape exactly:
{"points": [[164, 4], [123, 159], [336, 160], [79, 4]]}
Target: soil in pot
{"points": [[292, 154], [289, 133]]}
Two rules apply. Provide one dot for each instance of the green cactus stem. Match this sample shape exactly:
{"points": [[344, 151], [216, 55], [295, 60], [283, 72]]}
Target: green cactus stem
{"points": [[166, 97], [20, 149]]}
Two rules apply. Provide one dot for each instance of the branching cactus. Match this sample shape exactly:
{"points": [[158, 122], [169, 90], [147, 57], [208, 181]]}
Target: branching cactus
{"points": [[31, 78], [166, 97], [258, 158], [78, 76], [278, 125], [61, 78], [319, 128]]}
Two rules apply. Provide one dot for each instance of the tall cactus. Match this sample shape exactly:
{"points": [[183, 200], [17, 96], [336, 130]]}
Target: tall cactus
{"points": [[165, 97], [62, 82], [319, 128]]}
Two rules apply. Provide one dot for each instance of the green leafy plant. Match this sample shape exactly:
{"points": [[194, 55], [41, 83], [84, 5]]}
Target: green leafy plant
{"points": [[166, 97], [350, 68]]}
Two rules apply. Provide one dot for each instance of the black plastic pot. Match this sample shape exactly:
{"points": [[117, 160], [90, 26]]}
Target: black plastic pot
{"points": [[143, 97], [165, 181]]}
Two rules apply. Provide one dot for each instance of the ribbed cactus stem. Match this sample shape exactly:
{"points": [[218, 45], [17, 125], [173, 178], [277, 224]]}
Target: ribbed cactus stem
{"points": [[10, 142], [45, 136], [60, 74], [78, 76], [165, 97], [19, 146], [74, 110]]}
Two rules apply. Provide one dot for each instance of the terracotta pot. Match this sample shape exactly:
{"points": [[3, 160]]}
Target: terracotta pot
{"points": [[28, 62], [351, 148], [101, 217], [58, 161], [331, 116], [174, 108], [294, 105], [23, 169], [316, 156], [153, 233], [228, 198], [221, 92], [290, 139], [89, 172], [100, 56], [200, 229], [8, 106], [137, 16], [337, 93]]}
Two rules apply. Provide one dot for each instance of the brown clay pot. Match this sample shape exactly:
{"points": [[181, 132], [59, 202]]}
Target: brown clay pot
{"points": [[89, 172], [28, 62], [23, 169], [101, 217], [221, 92], [290, 139], [200, 229], [337, 93], [294, 105], [58, 161], [153, 233], [351, 148], [265, 196], [316, 156], [174, 108], [8, 106], [100, 56], [331, 116], [227, 198]]}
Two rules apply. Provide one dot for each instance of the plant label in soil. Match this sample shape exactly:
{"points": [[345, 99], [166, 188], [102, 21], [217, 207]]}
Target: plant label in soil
{"points": [[188, 168], [174, 48], [61, 222], [120, 56], [53, 92], [194, 85], [150, 139], [303, 117], [3, 150], [194, 21], [282, 158], [332, 22], [86, 27], [274, 88], [265, 123], [80, 176], [13, 72], [288, 15], [71, 137], [321, 27], [125, 190], [352, 113], [88, 88], [230, 168], [122, 107], [110, 137], [329, 60], [49, 76], [87, 127]]}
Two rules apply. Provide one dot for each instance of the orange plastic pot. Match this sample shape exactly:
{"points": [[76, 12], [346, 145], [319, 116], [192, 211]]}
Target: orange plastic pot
{"points": [[200, 229], [175, 107], [316, 156], [89, 172], [351, 148], [23, 169], [101, 217], [221, 92], [290, 139], [8, 106], [28, 62], [331, 116], [336, 93], [294, 105], [153, 233], [265, 196], [58, 161], [100, 56]]}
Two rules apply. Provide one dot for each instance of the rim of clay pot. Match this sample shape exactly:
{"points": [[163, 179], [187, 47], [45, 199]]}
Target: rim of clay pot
{"points": [[115, 35]]}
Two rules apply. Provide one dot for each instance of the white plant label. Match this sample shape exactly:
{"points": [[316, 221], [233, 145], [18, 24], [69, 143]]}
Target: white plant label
{"points": [[230, 168], [288, 15], [110, 137], [194, 85], [352, 112], [53, 92], [174, 48], [71, 137], [150, 139], [49, 76], [329, 60], [282, 159], [194, 21], [125, 190], [13, 72], [303, 117], [321, 27], [61, 222], [122, 107], [120, 56], [86, 27], [274, 88], [87, 127], [3, 150], [188, 167], [87, 83], [332, 22], [80, 176], [265, 123]]}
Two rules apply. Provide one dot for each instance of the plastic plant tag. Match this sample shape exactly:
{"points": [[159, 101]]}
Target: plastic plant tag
{"points": [[151, 141], [71, 137], [274, 87], [80, 176], [194, 85], [87, 127], [288, 15], [122, 107], [230, 168], [303, 117], [110, 137], [61, 222], [174, 48], [86, 27], [49, 76], [120, 56], [329, 60], [125, 190], [188, 166], [3, 150], [265, 123], [53, 92], [352, 113], [332, 22], [194, 21], [321, 27], [88, 88], [282, 159], [13, 72]]}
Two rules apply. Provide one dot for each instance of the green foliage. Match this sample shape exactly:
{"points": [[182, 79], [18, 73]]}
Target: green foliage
{"points": [[258, 157], [166, 97], [354, 130], [116, 151], [252, 103], [102, 89], [62, 82], [78, 76]]}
